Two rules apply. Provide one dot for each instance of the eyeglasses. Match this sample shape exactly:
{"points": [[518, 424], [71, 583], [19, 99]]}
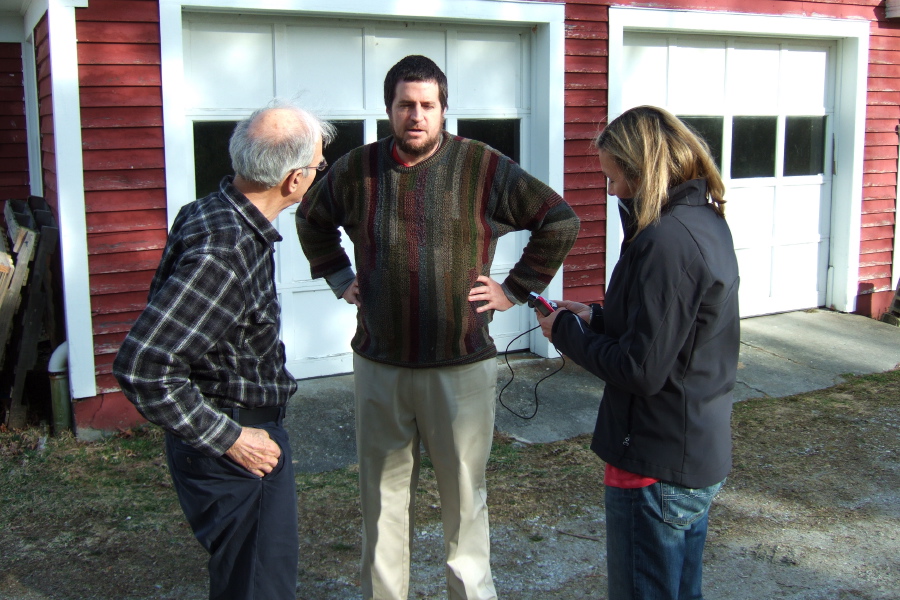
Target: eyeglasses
{"points": [[319, 167]]}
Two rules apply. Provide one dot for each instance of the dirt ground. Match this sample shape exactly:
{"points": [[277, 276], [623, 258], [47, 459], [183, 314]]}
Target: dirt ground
{"points": [[811, 511]]}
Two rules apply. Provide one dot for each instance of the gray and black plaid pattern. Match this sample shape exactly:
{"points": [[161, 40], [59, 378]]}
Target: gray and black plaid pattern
{"points": [[209, 335]]}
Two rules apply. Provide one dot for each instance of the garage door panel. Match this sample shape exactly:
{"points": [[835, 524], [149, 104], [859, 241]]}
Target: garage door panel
{"points": [[752, 81], [794, 267], [215, 52], [804, 81], [389, 46], [797, 214], [750, 213], [644, 71], [706, 57], [754, 265], [327, 334], [487, 84], [338, 79]]}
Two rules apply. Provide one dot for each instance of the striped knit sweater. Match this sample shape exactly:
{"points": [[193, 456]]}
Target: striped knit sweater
{"points": [[422, 235]]}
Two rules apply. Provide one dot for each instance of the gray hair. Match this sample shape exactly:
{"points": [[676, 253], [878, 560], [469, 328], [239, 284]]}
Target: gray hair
{"points": [[266, 160]]}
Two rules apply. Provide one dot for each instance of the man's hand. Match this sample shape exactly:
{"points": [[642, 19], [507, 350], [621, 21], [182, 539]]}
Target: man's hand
{"points": [[546, 323], [492, 293], [351, 294], [255, 451]]}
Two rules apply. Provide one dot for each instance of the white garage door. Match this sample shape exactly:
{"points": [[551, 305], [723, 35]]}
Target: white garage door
{"points": [[766, 108], [337, 68]]}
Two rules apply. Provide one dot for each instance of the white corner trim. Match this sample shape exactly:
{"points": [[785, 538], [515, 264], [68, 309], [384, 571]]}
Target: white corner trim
{"points": [[895, 271], [853, 52], [32, 117], [70, 184]]}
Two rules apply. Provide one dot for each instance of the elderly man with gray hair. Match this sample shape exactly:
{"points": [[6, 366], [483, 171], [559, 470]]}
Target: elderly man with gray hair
{"points": [[204, 360]]}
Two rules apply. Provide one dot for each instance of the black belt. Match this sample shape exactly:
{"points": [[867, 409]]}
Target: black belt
{"points": [[255, 416]]}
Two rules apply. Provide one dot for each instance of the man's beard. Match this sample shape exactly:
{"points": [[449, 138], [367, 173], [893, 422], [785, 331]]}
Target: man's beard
{"points": [[422, 148]]}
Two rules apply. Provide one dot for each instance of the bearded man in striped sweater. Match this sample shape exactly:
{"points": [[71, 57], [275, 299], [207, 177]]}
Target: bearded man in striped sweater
{"points": [[424, 210]]}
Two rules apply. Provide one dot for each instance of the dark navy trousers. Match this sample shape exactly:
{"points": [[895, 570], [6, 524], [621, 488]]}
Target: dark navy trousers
{"points": [[246, 523]]}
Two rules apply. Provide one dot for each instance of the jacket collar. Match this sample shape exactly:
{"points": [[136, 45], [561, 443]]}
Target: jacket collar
{"points": [[252, 215]]}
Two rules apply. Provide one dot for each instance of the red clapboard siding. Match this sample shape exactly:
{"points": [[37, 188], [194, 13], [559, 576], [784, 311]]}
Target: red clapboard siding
{"points": [[587, 81], [130, 116], [580, 130], [582, 164], [130, 75], [122, 138], [587, 30], [879, 179], [588, 294], [586, 64], [115, 322], [875, 258], [107, 304], [118, 54], [581, 181], [880, 166], [108, 344], [126, 200], [121, 96], [147, 222], [14, 175], [124, 262], [108, 160], [877, 206], [118, 10], [591, 212], [877, 219], [131, 33], [119, 180], [876, 272], [873, 233], [579, 147], [881, 152], [126, 241], [876, 246], [589, 196], [116, 283]]}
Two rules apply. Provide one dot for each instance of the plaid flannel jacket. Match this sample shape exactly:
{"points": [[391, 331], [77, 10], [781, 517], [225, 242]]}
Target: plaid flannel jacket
{"points": [[209, 335]]}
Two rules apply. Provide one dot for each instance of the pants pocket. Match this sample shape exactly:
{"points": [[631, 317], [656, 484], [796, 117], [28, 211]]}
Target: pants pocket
{"points": [[682, 506]]}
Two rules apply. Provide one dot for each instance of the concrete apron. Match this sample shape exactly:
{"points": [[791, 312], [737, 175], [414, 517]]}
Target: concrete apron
{"points": [[781, 355]]}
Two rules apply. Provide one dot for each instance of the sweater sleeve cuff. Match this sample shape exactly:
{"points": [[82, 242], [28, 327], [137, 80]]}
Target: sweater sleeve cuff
{"points": [[510, 296], [340, 281]]}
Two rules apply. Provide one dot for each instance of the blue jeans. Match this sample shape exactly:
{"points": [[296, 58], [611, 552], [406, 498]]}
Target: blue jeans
{"points": [[654, 541]]}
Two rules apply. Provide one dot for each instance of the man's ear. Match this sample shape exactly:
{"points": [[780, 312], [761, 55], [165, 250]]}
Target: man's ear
{"points": [[292, 182]]}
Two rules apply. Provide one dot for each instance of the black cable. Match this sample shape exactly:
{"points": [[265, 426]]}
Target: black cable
{"points": [[513, 376]]}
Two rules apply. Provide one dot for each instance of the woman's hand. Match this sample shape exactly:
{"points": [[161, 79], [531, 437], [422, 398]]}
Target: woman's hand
{"points": [[546, 323]]}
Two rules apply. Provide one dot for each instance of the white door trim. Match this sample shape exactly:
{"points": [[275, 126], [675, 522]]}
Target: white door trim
{"points": [[850, 114], [547, 120]]}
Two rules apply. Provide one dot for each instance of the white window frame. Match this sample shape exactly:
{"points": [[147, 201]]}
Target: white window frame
{"points": [[852, 56], [546, 19]]}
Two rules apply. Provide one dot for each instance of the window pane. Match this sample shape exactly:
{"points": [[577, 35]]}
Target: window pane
{"points": [[383, 128], [753, 147], [349, 135], [710, 129], [804, 146], [211, 159], [500, 134]]}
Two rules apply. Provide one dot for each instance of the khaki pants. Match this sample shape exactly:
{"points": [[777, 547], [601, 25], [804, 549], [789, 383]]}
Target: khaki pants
{"points": [[451, 410]]}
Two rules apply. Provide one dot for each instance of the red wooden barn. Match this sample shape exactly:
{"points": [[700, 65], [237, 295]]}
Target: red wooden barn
{"points": [[118, 112]]}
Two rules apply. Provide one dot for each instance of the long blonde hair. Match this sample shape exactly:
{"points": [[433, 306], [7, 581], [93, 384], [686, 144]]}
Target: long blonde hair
{"points": [[656, 152]]}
